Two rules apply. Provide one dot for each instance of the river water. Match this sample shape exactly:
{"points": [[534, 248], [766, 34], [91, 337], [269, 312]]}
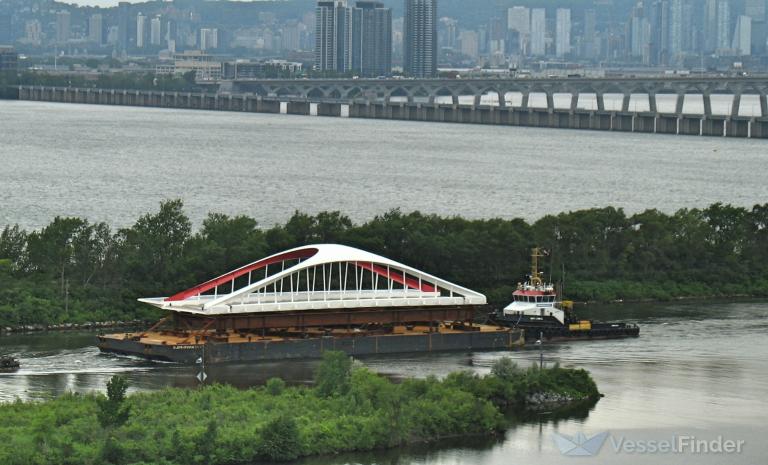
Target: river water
{"points": [[113, 164], [698, 369]]}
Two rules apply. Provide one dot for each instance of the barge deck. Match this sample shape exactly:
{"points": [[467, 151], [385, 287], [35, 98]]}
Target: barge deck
{"points": [[238, 347]]}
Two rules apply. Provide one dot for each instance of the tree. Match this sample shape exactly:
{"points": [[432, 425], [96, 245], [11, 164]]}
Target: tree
{"points": [[13, 245], [151, 249], [334, 374], [280, 439], [505, 369], [51, 250], [112, 411]]}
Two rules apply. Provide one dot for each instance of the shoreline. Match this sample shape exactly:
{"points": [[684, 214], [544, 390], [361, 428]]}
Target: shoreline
{"points": [[64, 327], [133, 324]]}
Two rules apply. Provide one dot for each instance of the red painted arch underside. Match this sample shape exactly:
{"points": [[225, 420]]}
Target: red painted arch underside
{"points": [[208, 285], [396, 277]]}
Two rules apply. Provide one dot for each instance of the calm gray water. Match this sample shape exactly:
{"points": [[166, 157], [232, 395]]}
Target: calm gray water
{"points": [[115, 163], [698, 369]]}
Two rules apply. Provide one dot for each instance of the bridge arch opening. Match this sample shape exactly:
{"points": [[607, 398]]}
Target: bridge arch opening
{"points": [[316, 93], [354, 93], [398, 94]]}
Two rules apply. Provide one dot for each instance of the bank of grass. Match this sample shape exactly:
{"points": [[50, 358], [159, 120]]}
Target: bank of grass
{"points": [[348, 409]]}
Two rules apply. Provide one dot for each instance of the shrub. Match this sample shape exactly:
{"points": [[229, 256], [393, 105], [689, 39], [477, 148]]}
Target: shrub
{"points": [[334, 374], [280, 439], [505, 369], [275, 386], [112, 412]]}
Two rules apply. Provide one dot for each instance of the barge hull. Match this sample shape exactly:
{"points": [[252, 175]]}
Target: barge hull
{"points": [[286, 349]]}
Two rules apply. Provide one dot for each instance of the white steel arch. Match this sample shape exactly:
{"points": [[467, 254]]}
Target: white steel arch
{"points": [[318, 277]]}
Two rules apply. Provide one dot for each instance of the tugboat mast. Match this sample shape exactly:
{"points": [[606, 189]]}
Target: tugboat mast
{"points": [[535, 274]]}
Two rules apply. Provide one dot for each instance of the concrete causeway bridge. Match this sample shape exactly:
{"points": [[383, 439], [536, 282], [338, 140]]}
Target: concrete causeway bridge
{"points": [[600, 94], [704, 106]]}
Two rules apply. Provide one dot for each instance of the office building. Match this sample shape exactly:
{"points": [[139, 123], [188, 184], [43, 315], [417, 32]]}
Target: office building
{"points": [[123, 25], [33, 32], [469, 44], [519, 24], [742, 36], [563, 29], [723, 24], [156, 31], [755, 9], [141, 31], [591, 42], [9, 59], [6, 28], [333, 36], [538, 32], [371, 39], [209, 39], [96, 29], [420, 38], [63, 26]]}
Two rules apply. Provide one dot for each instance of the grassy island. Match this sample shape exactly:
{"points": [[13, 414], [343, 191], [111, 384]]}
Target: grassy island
{"points": [[349, 408], [76, 271]]}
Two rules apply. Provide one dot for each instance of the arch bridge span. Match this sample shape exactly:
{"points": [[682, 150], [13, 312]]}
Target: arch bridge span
{"points": [[708, 96]]}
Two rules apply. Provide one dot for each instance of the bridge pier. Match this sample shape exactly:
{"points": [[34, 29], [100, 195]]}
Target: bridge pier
{"points": [[759, 129], [644, 122], [713, 126], [740, 126], [622, 122], [667, 124]]}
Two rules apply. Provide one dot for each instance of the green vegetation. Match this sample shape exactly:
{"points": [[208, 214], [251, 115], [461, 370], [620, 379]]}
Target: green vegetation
{"points": [[223, 425], [76, 271]]}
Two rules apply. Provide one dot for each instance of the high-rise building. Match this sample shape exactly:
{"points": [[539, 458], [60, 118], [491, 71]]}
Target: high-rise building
{"points": [[742, 36], [33, 32], [590, 39], [519, 22], [63, 26], [676, 29], [497, 37], [291, 35], [9, 59], [563, 40], [755, 9], [420, 38], [448, 33], [123, 25], [710, 25], [538, 32], [96, 29], [6, 28], [723, 24], [333, 36], [156, 31], [141, 31], [469, 43], [209, 39], [371, 39]]}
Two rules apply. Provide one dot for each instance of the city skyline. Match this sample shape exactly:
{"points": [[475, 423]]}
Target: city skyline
{"points": [[672, 34]]}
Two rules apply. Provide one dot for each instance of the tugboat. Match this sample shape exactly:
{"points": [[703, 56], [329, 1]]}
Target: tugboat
{"points": [[536, 309], [8, 363]]}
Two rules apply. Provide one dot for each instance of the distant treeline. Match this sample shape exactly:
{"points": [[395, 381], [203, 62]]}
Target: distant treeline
{"points": [[75, 271]]}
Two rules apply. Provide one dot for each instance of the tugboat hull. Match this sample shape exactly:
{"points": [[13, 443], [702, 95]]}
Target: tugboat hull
{"points": [[550, 331]]}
